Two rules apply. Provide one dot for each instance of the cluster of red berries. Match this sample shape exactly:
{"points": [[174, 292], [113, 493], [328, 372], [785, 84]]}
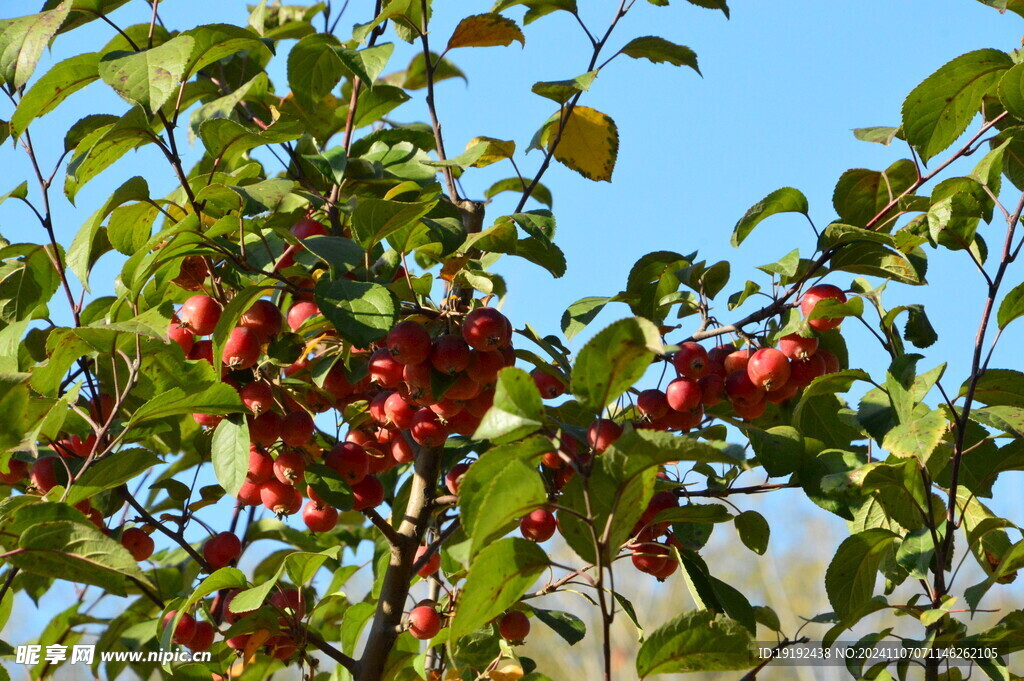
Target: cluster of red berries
{"points": [[400, 384], [198, 635], [749, 379], [425, 622], [402, 409]]}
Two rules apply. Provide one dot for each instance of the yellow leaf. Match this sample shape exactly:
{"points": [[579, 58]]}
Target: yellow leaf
{"points": [[589, 143], [485, 30], [496, 150], [452, 266], [507, 672]]}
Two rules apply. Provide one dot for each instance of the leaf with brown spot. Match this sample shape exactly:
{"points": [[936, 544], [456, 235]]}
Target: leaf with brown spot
{"points": [[589, 143], [486, 30]]}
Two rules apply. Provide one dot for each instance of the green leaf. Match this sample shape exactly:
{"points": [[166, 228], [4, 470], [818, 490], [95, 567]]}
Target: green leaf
{"points": [[13, 401], [540, 192], [850, 578], [64, 549], [367, 63], [938, 110], [151, 77], [860, 195], [740, 297], [222, 107], [1007, 419], [614, 360], [695, 513], [833, 309], [97, 152], [753, 530], [352, 625], [314, 67], [23, 40], [622, 483], [56, 85], [696, 641], [213, 42], [498, 577], [6, 605], [302, 567], [86, 247], [27, 280], [330, 163], [254, 597], [361, 312], [415, 75], [229, 451], [825, 419], [114, 469], [517, 410], [84, 11], [536, 8], [562, 91], [341, 254], [331, 487], [638, 450], [378, 102], [785, 200], [875, 260], [918, 438], [19, 192], [878, 134], [438, 238], [486, 30], [224, 578], [499, 488], [786, 266], [1012, 306], [1011, 91], [779, 449], [711, 593], [1016, 6], [659, 50], [578, 315], [568, 626], [999, 387], [706, 4], [918, 329], [220, 398], [373, 220], [227, 140], [916, 551], [953, 219], [616, 500]]}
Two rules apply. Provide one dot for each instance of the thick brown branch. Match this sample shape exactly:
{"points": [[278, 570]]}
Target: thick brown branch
{"points": [[398, 574], [383, 525]]}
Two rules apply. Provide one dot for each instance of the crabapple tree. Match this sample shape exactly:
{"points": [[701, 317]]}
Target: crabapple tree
{"points": [[301, 346]]}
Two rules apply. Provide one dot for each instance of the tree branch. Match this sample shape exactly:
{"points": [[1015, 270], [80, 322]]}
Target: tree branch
{"points": [[383, 525], [398, 574], [429, 65], [564, 119]]}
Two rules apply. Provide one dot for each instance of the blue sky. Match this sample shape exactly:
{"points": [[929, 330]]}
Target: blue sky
{"points": [[783, 83], [782, 87]]}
